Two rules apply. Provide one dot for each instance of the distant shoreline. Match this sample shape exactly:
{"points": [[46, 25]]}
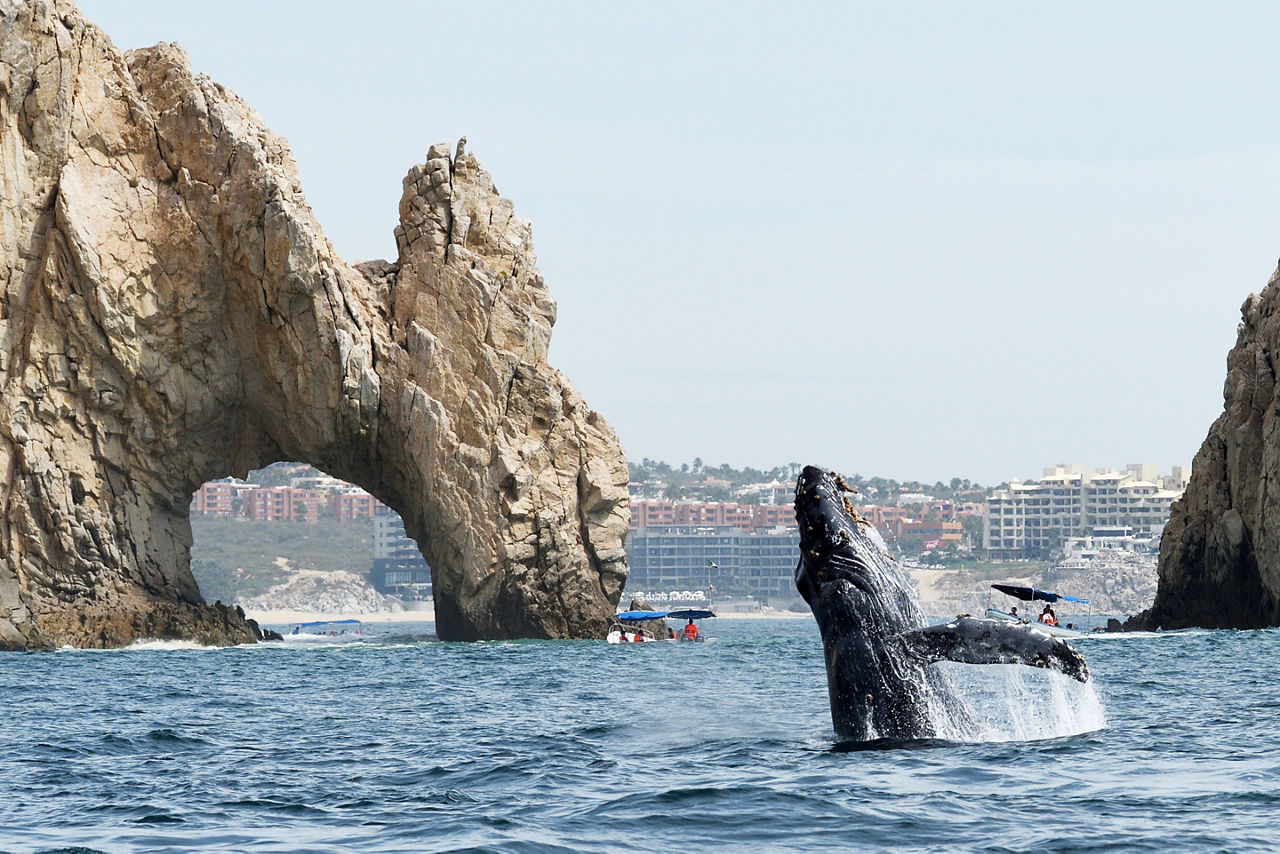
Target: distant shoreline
{"points": [[293, 618], [428, 614], [767, 614]]}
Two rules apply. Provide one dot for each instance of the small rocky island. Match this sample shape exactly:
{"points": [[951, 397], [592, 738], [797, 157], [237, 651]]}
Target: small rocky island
{"points": [[1220, 554], [170, 313]]}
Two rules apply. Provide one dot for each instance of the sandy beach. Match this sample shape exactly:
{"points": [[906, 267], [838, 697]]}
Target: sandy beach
{"points": [[766, 614], [427, 612]]}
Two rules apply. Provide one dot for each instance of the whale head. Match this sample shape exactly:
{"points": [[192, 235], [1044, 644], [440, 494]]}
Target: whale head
{"points": [[845, 571]]}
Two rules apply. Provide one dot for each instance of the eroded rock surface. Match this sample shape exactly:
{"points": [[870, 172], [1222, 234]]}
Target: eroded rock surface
{"points": [[1220, 554], [172, 313]]}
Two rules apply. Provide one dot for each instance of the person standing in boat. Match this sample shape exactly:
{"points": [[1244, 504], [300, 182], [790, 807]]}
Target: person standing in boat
{"points": [[1048, 617], [690, 631]]}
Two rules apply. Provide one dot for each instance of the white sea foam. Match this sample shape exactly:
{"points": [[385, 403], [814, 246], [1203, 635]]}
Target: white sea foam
{"points": [[152, 643], [145, 644], [303, 639], [1109, 636]]}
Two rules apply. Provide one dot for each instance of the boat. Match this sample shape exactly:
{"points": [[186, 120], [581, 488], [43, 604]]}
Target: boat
{"points": [[690, 615], [1031, 594], [326, 629], [628, 628]]}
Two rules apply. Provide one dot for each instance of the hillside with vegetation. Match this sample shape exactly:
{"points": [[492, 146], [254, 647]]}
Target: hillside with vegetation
{"points": [[234, 560], [698, 481]]}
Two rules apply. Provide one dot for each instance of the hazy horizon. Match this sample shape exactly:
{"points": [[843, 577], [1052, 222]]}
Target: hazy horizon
{"points": [[921, 242]]}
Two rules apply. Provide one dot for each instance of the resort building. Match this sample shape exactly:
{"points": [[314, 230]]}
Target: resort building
{"points": [[219, 498], [936, 532], [398, 566], [353, 504], [1033, 519], [670, 557], [268, 504], [282, 504]]}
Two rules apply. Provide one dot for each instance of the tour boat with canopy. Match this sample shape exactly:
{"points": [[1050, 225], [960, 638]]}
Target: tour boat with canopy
{"points": [[1031, 594], [630, 629]]}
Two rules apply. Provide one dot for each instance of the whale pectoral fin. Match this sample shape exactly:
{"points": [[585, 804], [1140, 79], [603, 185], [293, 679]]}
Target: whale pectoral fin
{"points": [[971, 641]]}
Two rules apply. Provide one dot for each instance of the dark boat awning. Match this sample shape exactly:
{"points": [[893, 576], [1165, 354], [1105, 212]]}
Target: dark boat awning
{"points": [[1030, 594], [690, 614]]}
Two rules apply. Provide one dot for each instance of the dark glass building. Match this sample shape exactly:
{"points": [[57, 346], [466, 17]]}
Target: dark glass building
{"points": [[398, 567], [669, 557]]}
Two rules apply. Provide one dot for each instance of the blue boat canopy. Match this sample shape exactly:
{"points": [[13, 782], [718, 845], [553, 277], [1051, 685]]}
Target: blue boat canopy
{"points": [[330, 623], [690, 614], [637, 616], [1030, 594]]}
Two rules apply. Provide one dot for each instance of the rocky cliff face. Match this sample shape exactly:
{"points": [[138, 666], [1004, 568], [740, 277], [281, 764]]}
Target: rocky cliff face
{"points": [[1220, 554], [170, 312]]}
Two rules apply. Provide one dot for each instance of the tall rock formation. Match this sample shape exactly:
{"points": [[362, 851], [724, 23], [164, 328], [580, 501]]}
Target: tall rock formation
{"points": [[170, 312], [1220, 554]]}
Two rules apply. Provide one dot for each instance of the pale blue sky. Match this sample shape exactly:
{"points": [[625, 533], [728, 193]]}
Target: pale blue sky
{"points": [[916, 240]]}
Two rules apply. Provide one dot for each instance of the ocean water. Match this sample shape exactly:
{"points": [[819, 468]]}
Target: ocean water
{"points": [[398, 742]]}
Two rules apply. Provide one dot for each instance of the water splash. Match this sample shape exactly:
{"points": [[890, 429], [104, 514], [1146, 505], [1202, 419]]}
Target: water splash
{"points": [[155, 643], [993, 703], [142, 645]]}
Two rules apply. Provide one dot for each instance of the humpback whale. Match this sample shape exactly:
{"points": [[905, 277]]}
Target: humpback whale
{"points": [[874, 639]]}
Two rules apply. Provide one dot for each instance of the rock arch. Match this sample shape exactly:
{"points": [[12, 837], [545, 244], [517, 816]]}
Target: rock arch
{"points": [[172, 313]]}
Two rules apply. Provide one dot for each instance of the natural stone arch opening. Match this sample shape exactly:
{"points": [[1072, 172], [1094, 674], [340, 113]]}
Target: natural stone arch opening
{"points": [[172, 314], [293, 538]]}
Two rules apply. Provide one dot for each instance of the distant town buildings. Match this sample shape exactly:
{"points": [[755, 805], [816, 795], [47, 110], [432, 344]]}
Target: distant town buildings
{"points": [[305, 499], [398, 567], [648, 512], [931, 518], [754, 547], [1036, 518]]}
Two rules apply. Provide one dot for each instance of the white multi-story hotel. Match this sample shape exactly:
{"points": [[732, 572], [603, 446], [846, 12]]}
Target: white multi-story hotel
{"points": [[1032, 519]]}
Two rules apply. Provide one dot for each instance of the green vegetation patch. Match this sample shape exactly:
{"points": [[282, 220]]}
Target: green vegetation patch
{"points": [[236, 559]]}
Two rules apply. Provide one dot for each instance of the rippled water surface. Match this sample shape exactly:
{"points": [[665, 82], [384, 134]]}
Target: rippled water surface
{"points": [[402, 743]]}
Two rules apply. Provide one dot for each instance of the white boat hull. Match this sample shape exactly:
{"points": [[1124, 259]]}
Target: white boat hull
{"points": [[1054, 631], [616, 636]]}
